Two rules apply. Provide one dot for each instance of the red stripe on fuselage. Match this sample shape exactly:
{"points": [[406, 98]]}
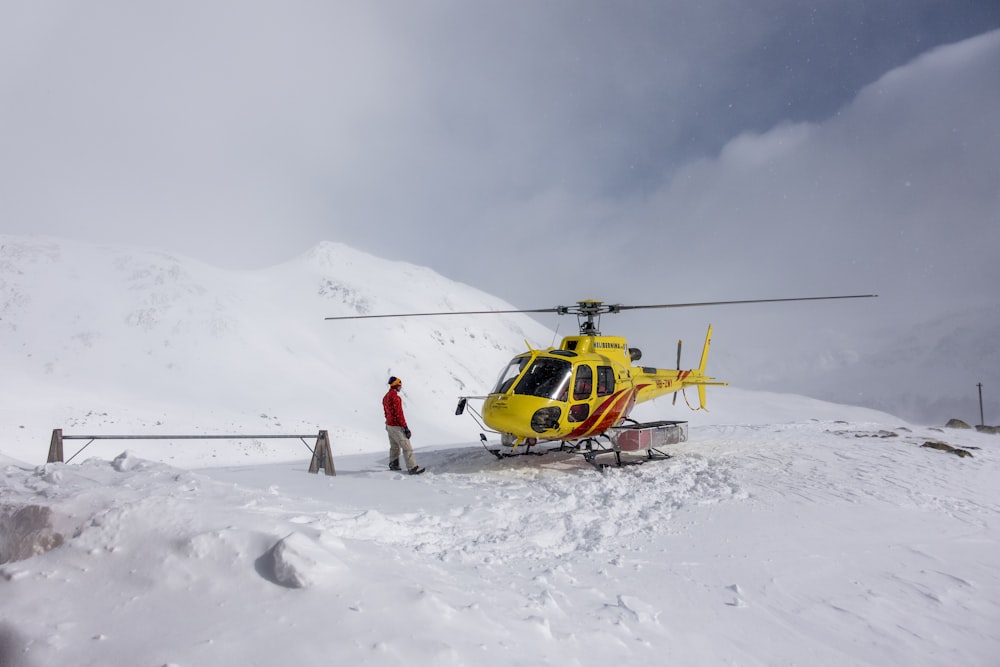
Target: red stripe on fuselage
{"points": [[606, 415]]}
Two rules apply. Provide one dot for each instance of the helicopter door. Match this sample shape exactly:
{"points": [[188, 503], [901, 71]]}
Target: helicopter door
{"points": [[583, 387]]}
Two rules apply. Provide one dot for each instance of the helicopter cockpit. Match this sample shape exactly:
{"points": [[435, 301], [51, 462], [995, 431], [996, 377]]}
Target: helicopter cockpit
{"points": [[543, 377]]}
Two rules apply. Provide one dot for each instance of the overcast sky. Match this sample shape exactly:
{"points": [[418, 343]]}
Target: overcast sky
{"points": [[545, 152]]}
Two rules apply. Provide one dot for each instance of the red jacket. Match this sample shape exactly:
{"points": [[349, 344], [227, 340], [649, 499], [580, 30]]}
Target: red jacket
{"points": [[393, 406]]}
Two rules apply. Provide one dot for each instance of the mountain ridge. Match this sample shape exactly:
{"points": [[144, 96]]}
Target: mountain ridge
{"points": [[160, 336]]}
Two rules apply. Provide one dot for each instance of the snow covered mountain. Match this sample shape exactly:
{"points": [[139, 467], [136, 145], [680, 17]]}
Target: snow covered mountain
{"points": [[115, 339]]}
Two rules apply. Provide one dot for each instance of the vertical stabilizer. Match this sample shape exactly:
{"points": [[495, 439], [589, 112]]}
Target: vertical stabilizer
{"points": [[701, 368], [704, 350]]}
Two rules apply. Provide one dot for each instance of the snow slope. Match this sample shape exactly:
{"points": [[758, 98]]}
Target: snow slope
{"points": [[811, 542]]}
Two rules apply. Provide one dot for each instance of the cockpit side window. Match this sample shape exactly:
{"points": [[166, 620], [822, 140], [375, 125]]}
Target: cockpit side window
{"points": [[546, 378], [510, 374], [605, 381], [584, 383]]}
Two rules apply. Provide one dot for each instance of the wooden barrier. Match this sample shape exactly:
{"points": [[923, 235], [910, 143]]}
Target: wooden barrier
{"points": [[322, 457]]}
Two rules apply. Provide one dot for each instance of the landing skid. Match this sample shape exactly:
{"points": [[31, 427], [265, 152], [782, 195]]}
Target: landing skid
{"points": [[590, 449], [641, 441], [529, 448], [606, 448]]}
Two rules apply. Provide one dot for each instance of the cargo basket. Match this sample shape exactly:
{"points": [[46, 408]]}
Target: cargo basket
{"points": [[648, 436]]}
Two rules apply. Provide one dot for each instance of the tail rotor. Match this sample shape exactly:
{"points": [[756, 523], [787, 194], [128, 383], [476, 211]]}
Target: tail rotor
{"points": [[678, 368]]}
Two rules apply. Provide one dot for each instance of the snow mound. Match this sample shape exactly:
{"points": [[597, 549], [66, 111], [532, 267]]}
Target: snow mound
{"points": [[299, 561]]}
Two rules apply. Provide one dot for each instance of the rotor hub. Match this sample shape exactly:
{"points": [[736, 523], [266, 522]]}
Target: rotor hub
{"points": [[588, 315]]}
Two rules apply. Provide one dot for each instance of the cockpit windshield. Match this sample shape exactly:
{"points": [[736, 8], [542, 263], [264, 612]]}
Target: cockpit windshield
{"points": [[546, 378], [510, 374]]}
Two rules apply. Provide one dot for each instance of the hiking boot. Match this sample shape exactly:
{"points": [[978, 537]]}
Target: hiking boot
{"points": [[416, 470], [394, 465]]}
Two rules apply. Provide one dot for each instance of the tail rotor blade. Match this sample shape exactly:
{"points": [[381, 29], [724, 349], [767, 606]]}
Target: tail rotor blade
{"points": [[678, 368]]}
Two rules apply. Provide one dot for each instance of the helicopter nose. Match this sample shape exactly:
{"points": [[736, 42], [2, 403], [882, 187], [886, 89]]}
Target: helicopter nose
{"points": [[522, 416], [498, 415]]}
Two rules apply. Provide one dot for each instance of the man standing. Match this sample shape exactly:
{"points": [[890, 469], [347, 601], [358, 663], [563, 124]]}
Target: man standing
{"points": [[399, 432]]}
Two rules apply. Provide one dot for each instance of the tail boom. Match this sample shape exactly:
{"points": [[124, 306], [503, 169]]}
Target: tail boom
{"points": [[652, 383]]}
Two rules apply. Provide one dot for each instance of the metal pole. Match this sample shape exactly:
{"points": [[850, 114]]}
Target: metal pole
{"points": [[982, 422]]}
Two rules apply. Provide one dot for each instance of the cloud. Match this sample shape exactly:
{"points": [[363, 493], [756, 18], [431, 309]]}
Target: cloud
{"points": [[886, 195], [502, 146]]}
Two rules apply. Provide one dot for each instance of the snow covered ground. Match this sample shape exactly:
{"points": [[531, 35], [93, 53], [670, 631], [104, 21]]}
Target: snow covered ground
{"points": [[786, 531], [811, 541]]}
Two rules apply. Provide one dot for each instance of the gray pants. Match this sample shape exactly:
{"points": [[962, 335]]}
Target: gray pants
{"points": [[399, 441]]}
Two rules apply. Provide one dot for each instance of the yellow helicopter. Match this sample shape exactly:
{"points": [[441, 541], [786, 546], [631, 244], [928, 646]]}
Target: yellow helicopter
{"points": [[578, 396]]}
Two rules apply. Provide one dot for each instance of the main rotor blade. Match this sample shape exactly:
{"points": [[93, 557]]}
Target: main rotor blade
{"points": [[729, 303], [601, 308], [559, 309]]}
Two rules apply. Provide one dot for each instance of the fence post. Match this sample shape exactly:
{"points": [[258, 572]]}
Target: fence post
{"points": [[322, 456], [55, 447]]}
